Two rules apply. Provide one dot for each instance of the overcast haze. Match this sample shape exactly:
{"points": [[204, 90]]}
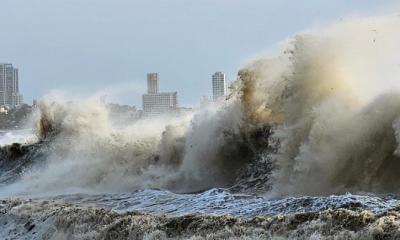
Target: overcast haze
{"points": [[85, 46]]}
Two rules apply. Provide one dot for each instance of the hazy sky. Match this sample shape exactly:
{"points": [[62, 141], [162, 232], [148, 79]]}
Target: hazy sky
{"points": [[89, 46]]}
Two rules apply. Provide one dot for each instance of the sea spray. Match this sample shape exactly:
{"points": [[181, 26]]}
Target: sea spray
{"points": [[319, 119]]}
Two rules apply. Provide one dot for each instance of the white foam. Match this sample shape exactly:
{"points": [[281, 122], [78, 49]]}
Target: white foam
{"points": [[23, 136]]}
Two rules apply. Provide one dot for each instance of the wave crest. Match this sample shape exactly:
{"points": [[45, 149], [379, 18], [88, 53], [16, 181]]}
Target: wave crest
{"points": [[318, 119]]}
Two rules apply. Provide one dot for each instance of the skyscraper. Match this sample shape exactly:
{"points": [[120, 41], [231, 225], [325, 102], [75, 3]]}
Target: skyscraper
{"points": [[9, 86], [158, 103], [153, 83], [218, 85]]}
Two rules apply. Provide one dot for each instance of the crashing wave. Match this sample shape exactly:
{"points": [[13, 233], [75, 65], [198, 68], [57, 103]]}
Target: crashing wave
{"points": [[321, 118]]}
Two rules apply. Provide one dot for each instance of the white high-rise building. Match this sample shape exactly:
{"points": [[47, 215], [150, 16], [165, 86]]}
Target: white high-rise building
{"points": [[218, 85], [157, 103], [9, 86]]}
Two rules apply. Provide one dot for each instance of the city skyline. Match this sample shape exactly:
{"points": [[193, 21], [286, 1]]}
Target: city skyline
{"points": [[10, 95], [184, 43]]}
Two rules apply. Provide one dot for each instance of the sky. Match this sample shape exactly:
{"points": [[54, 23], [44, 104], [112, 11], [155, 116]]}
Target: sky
{"points": [[106, 47]]}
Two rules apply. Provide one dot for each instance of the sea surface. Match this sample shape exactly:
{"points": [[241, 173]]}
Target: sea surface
{"points": [[32, 216]]}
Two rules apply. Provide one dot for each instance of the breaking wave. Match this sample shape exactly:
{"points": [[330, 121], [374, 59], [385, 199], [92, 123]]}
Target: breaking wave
{"points": [[47, 220], [321, 118]]}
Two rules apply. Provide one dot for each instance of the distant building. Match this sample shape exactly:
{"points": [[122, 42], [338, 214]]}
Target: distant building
{"points": [[20, 100], [157, 103], [153, 83], [160, 103], [9, 86], [218, 85], [205, 101], [122, 114]]}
